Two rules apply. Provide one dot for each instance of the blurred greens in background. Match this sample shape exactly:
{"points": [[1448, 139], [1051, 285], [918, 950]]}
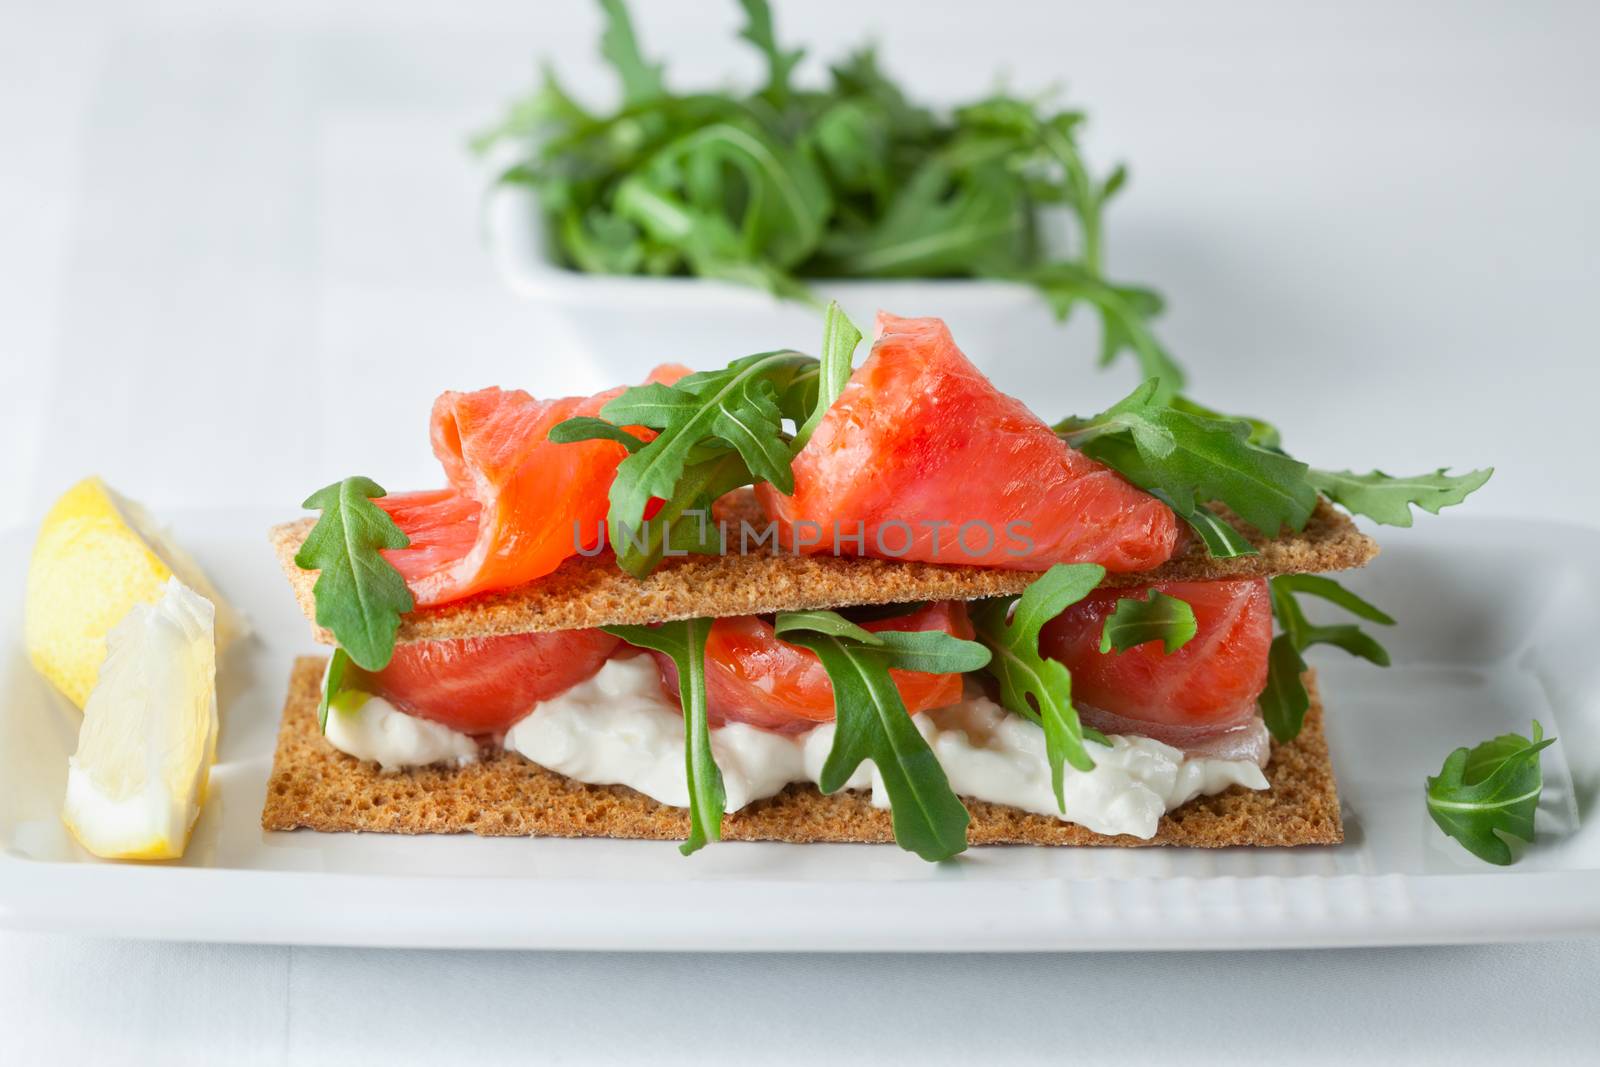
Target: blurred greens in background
{"points": [[852, 180]]}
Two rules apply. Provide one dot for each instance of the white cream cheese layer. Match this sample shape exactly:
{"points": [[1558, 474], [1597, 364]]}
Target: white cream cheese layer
{"points": [[619, 728], [371, 728]]}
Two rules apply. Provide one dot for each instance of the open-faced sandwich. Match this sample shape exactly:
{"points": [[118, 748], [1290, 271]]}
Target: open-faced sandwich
{"points": [[798, 600]]}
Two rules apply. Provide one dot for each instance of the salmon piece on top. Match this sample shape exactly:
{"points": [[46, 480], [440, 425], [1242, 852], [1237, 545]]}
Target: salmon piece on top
{"points": [[922, 458], [517, 505]]}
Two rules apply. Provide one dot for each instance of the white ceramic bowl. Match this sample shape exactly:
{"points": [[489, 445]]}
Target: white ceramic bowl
{"points": [[624, 325]]}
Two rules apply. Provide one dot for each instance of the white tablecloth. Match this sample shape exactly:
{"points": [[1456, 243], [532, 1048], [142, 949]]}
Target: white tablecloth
{"points": [[220, 221], [67, 1000]]}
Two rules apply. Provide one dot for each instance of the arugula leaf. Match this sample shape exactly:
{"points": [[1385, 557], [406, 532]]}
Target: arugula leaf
{"points": [[1031, 684], [359, 594], [830, 623], [332, 684], [871, 721], [839, 340], [1262, 433], [1195, 459], [1388, 500], [549, 106], [719, 430], [1158, 617], [860, 78], [1221, 539], [737, 200], [1124, 311], [758, 31], [1291, 619], [588, 428], [941, 222], [1484, 795], [1285, 700], [601, 243], [851, 140], [1318, 585], [1189, 455], [684, 642], [641, 80]]}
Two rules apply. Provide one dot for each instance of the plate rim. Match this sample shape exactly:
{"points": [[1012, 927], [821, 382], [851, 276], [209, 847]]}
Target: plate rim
{"points": [[150, 901]]}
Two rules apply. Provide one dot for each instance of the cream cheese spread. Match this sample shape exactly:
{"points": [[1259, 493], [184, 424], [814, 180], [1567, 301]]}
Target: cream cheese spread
{"points": [[619, 728], [371, 728]]}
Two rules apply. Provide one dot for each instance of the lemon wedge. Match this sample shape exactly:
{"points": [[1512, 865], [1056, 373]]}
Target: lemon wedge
{"points": [[97, 555], [149, 734]]}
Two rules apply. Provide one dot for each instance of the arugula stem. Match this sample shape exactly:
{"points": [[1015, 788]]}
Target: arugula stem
{"points": [[1083, 191], [684, 642], [707, 800]]}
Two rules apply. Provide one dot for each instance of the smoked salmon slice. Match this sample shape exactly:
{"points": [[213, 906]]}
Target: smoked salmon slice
{"points": [[1193, 696], [483, 685], [755, 677], [515, 503], [922, 458]]}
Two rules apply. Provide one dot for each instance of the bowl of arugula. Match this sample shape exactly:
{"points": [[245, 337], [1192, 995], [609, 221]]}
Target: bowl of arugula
{"points": [[685, 223]]}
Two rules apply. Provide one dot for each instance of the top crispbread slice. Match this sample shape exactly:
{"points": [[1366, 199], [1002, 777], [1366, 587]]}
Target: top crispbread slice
{"points": [[592, 591]]}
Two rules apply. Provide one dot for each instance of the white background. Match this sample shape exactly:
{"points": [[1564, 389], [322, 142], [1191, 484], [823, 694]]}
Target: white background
{"points": [[229, 232]]}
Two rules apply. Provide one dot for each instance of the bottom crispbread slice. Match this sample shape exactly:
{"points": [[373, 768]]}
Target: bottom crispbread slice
{"points": [[315, 786]]}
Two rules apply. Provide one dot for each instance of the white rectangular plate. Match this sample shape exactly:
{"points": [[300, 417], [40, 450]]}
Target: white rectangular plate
{"points": [[1498, 620]]}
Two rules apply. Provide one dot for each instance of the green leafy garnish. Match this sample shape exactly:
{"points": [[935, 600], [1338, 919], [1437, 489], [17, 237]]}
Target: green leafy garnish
{"points": [[1285, 700], [783, 183], [679, 199], [360, 596], [1262, 433], [1387, 499], [871, 722], [1033, 685], [718, 430], [588, 428], [1487, 794], [759, 32], [1193, 459], [332, 685], [1348, 636], [685, 643], [548, 107], [641, 80], [839, 340], [1221, 538], [1158, 617], [1125, 314]]}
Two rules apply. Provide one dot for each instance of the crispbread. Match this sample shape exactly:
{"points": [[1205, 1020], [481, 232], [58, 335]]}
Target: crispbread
{"points": [[314, 786], [592, 591]]}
